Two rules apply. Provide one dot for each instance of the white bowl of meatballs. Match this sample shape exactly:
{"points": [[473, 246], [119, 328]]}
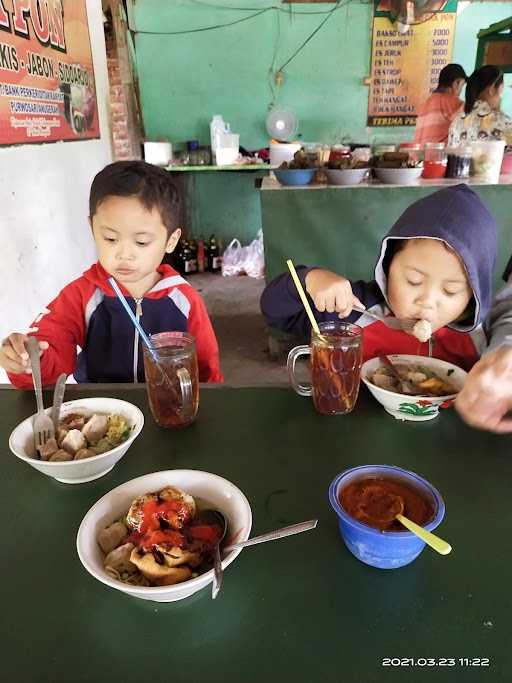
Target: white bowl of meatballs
{"points": [[94, 434], [150, 539], [426, 385]]}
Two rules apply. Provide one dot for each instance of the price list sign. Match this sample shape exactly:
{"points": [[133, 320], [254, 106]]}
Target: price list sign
{"points": [[405, 67]]}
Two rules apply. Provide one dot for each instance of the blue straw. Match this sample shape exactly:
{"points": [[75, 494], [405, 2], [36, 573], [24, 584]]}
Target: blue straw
{"points": [[134, 320]]}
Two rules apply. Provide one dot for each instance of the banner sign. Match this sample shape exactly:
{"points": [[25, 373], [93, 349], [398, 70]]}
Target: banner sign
{"points": [[405, 66], [47, 88]]}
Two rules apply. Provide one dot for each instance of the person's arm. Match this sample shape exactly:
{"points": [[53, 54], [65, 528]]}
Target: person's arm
{"points": [[330, 295], [200, 326], [61, 327], [486, 398]]}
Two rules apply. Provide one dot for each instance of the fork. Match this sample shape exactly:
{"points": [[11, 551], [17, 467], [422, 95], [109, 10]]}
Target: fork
{"points": [[42, 425], [393, 323]]}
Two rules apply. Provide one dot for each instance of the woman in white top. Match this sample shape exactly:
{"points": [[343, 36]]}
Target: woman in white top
{"points": [[482, 118]]}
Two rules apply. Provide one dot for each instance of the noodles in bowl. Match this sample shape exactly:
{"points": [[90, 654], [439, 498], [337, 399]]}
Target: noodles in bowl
{"points": [[211, 490]]}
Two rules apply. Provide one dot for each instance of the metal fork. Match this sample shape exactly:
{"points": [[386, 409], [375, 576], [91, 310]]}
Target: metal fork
{"points": [[392, 323], [42, 425]]}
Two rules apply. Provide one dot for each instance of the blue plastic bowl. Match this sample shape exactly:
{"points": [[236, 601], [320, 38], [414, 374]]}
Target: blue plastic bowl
{"points": [[382, 549], [295, 176]]}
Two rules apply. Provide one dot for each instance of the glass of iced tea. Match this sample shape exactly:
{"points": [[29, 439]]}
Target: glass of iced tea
{"points": [[336, 359], [172, 379]]}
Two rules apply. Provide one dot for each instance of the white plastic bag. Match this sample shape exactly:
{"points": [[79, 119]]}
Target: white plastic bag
{"points": [[254, 261], [249, 260], [232, 259]]}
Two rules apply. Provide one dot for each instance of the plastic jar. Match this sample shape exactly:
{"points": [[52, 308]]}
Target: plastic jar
{"points": [[459, 162], [414, 150], [435, 160]]}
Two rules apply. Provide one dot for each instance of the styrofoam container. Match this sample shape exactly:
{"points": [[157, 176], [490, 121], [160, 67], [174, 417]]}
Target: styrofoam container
{"points": [[415, 408], [158, 153], [21, 441], [214, 491], [282, 151], [399, 176]]}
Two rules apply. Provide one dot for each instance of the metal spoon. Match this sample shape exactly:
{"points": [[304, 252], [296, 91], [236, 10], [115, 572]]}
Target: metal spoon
{"points": [[406, 386], [216, 517], [58, 397], [407, 325], [274, 535]]}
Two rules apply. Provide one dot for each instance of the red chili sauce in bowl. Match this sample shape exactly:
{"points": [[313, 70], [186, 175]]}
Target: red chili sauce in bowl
{"points": [[376, 501]]}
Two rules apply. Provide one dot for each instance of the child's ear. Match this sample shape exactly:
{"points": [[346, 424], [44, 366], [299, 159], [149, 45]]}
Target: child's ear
{"points": [[173, 241]]}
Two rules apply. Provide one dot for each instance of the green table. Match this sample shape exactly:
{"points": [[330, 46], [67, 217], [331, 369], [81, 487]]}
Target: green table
{"points": [[340, 228], [302, 609]]}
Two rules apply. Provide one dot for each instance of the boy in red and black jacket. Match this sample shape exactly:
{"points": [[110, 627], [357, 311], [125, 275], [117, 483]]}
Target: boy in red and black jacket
{"points": [[133, 210]]}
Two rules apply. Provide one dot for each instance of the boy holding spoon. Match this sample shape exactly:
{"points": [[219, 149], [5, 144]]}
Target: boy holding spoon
{"points": [[133, 212], [435, 265]]}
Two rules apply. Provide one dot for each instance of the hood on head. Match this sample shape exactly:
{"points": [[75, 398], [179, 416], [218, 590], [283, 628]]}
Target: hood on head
{"points": [[458, 217]]}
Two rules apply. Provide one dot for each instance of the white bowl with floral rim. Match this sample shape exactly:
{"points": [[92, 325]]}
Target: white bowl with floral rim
{"points": [[415, 408]]}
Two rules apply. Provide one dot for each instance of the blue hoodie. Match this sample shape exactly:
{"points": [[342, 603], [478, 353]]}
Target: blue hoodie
{"points": [[455, 215]]}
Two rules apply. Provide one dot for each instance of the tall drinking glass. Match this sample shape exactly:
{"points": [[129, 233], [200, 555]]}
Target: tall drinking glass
{"points": [[336, 359], [173, 381]]}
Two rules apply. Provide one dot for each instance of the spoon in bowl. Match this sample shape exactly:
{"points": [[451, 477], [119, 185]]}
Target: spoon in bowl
{"points": [[391, 507], [217, 517]]}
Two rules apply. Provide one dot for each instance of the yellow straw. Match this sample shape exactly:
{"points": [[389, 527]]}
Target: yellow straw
{"points": [[303, 297]]}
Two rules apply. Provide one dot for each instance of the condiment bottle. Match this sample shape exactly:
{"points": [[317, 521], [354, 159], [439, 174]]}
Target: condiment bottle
{"points": [[201, 262], [214, 258]]}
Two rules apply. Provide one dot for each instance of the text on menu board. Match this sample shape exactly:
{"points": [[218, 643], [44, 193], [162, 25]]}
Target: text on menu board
{"points": [[46, 75], [405, 67]]}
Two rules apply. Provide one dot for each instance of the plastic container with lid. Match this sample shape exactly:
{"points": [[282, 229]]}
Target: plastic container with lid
{"points": [[458, 163], [434, 162], [487, 159]]}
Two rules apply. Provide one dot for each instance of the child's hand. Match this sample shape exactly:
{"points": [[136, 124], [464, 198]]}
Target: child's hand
{"points": [[331, 292], [14, 355]]}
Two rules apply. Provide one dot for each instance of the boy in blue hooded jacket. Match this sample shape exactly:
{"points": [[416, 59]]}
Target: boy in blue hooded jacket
{"points": [[435, 265]]}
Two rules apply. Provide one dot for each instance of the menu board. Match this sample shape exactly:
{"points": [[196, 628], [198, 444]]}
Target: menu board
{"points": [[405, 67], [47, 88]]}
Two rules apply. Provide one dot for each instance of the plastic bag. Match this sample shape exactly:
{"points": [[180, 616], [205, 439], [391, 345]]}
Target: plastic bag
{"points": [[249, 260], [232, 259], [254, 261]]}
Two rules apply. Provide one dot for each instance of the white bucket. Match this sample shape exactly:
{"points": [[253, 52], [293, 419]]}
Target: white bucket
{"points": [[282, 151], [487, 159], [158, 153]]}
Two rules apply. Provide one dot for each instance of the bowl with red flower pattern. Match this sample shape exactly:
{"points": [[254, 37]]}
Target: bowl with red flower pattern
{"points": [[425, 385]]}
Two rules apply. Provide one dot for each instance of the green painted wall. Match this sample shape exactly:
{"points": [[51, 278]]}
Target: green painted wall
{"points": [[185, 79]]}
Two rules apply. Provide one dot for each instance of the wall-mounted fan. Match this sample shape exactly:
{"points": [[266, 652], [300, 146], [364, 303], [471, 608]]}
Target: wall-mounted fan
{"points": [[282, 124]]}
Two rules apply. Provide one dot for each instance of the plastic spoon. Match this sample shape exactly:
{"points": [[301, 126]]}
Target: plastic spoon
{"points": [[391, 508]]}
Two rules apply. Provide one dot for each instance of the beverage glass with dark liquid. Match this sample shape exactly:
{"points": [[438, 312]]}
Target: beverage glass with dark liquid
{"points": [[172, 382], [336, 359]]}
